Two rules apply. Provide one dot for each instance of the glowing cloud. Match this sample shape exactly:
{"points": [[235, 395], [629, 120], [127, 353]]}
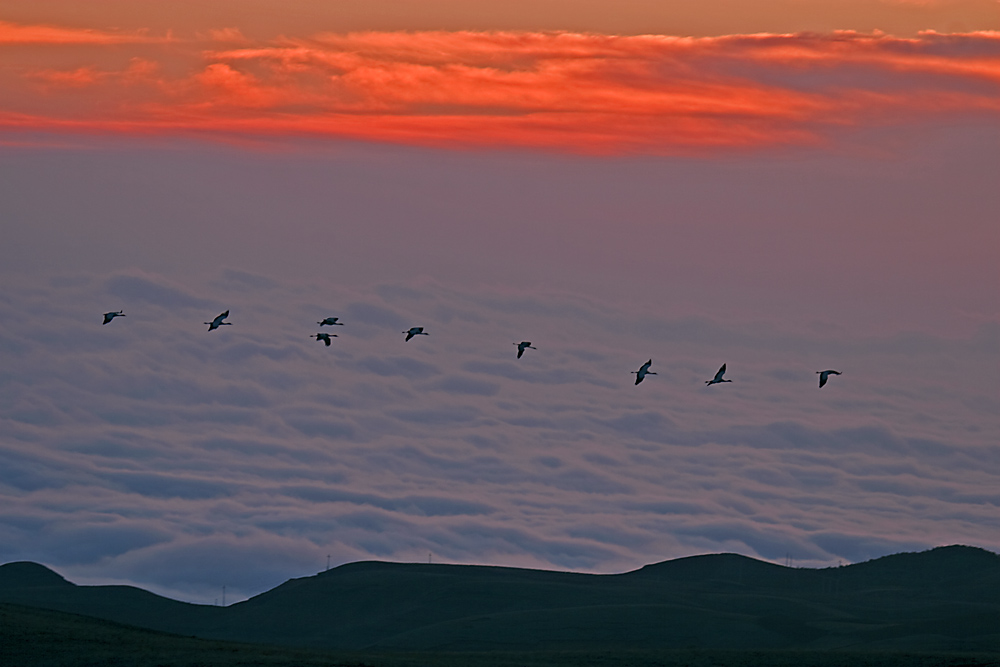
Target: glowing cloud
{"points": [[14, 33], [564, 91]]}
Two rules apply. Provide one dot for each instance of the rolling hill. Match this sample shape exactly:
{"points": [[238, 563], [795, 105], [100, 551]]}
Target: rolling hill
{"points": [[945, 599]]}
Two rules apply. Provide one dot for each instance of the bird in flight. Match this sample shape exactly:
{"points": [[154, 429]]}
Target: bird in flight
{"points": [[415, 331], [110, 316], [718, 377], [522, 346], [325, 337], [217, 322], [825, 375], [643, 371], [331, 321]]}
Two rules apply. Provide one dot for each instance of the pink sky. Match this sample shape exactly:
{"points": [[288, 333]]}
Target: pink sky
{"points": [[784, 191]]}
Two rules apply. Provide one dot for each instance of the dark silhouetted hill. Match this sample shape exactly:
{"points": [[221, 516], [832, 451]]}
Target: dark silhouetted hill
{"points": [[945, 599], [27, 575], [35, 585], [33, 637]]}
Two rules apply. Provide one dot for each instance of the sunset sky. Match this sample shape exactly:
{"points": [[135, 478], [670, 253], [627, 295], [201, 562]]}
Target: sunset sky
{"points": [[783, 186]]}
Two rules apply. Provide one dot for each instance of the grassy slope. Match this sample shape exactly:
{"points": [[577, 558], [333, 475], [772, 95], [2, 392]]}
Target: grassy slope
{"points": [[32, 637]]}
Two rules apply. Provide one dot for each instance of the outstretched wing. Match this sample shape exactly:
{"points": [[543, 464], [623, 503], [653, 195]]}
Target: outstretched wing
{"points": [[718, 376]]}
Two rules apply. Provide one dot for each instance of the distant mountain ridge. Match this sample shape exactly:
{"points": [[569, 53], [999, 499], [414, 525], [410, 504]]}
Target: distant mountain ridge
{"points": [[947, 598]]}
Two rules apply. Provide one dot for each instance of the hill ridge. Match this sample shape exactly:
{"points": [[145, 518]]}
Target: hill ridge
{"points": [[27, 574], [710, 601]]}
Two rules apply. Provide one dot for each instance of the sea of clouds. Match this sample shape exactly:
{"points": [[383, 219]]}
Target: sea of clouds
{"points": [[153, 452]]}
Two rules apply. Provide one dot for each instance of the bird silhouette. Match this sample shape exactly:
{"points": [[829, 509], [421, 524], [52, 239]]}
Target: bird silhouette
{"points": [[825, 375], [522, 346], [718, 377], [110, 316], [415, 331], [217, 322], [331, 321], [643, 371], [325, 337]]}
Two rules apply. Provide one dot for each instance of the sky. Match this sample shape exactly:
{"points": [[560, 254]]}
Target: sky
{"points": [[781, 186]]}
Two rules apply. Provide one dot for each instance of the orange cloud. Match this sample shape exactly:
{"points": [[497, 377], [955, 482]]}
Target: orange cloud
{"points": [[560, 91], [14, 33]]}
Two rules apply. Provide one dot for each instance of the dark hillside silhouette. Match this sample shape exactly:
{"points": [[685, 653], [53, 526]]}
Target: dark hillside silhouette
{"points": [[946, 599], [25, 575], [32, 637]]}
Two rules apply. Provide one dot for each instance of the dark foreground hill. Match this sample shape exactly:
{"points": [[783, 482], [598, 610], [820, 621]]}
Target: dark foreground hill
{"points": [[32, 637], [946, 599]]}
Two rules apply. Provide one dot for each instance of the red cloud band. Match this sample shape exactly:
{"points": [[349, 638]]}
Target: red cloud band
{"points": [[563, 91]]}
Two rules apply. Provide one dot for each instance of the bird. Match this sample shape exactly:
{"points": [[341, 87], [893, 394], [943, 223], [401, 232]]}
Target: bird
{"points": [[718, 377], [331, 321], [217, 322], [522, 346], [325, 337], [415, 331], [643, 371], [110, 316], [825, 375]]}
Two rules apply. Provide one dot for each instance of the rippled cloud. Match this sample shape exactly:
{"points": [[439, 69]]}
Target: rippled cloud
{"points": [[153, 451]]}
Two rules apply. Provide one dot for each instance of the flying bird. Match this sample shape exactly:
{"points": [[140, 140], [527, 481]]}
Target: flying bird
{"points": [[331, 321], [825, 375], [110, 316], [325, 337], [718, 377], [643, 371], [522, 346], [415, 331], [217, 322]]}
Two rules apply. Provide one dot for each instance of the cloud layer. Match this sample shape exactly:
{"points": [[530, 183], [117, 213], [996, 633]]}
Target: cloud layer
{"points": [[150, 450], [576, 92]]}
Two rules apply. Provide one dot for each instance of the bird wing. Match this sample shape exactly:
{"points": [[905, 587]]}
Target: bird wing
{"points": [[722, 371], [520, 351], [823, 378], [645, 366]]}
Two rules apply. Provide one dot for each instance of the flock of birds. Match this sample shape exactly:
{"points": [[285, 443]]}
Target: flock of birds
{"points": [[325, 337]]}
